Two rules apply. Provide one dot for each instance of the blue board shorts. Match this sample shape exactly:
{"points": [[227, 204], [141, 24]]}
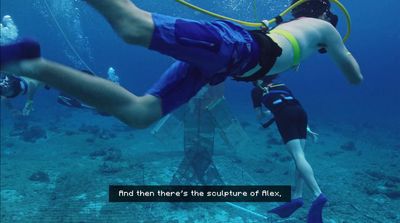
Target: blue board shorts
{"points": [[206, 53]]}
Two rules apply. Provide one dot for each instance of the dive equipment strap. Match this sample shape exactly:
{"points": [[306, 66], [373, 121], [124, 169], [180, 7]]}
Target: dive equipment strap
{"points": [[267, 57], [268, 52], [279, 92], [293, 41], [266, 89]]}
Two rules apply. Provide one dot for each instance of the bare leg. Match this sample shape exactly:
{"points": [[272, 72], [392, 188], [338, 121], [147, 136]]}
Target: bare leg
{"points": [[299, 185], [132, 24], [138, 112], [298, 180], [295, 149]]}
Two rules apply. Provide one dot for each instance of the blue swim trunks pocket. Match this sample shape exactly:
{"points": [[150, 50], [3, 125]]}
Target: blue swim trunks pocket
{"points": [[198, 35]]}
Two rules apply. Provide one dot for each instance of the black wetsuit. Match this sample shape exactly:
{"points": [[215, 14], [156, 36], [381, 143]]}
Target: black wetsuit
{"points": [[289, 115], [12, 86]]}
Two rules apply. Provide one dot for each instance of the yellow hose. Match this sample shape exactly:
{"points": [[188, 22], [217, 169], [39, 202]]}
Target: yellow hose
{"points": [[348, 18], [259, 24]]}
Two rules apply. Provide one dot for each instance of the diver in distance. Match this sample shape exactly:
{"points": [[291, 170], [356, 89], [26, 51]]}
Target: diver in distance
{"points": [[206, 53], [12, 86], [291, 120]]}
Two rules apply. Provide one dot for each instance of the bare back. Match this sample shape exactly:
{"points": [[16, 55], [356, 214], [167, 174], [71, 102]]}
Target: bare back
{"points": [[310, 33]]}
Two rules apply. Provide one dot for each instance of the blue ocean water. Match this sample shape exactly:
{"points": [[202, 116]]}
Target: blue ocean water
{"points": [[320, 86], [367, 114]]}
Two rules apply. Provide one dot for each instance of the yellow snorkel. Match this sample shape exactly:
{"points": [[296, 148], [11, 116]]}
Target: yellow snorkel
{"points": [[274, 20]]}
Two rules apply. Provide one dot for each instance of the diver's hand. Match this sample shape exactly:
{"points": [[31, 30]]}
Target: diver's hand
{"points": [[28, 108], [314, 135]]}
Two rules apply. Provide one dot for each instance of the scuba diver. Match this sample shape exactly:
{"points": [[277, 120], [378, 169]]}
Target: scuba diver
{"points": [[12, 86], [206, 53], [291, 120]]}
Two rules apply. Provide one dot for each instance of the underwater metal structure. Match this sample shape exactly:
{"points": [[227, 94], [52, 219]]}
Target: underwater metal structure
{"points": [[206, 114]]}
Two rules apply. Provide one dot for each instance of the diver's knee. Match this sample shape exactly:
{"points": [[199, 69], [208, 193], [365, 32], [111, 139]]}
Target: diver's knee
{"points": [[130, 36], [299, 157], [147, 111], [136, 36], [142, 120], [136, 31]]}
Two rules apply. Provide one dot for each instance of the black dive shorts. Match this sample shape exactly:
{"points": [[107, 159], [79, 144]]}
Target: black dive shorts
{"points": [[292, 122]]}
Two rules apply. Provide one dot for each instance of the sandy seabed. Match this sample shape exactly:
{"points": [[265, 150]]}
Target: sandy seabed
{"points": [[60, 172]]}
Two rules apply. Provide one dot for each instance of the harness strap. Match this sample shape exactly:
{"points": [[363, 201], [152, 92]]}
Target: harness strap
{"points": [[293, 41], [267, 90], [275, 85], [268, 53], [261, 69]]}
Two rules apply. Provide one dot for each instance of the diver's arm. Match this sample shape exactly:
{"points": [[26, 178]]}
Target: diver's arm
{"points": [[342, 57], [33, 85]]}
